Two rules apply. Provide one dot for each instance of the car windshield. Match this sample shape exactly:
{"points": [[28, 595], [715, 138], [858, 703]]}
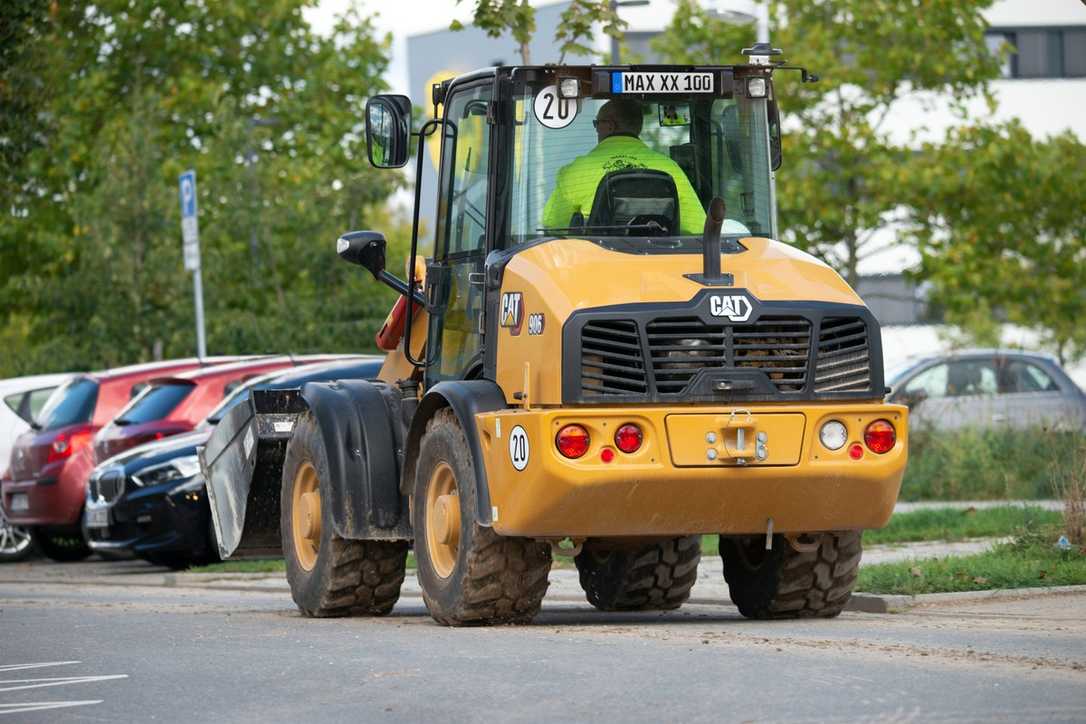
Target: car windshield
{"points": [[642, 169], [239, 395], [72, 404], [155, 403]]}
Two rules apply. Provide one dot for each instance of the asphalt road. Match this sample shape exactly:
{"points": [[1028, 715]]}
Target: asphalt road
{"points": [[115, 653]]}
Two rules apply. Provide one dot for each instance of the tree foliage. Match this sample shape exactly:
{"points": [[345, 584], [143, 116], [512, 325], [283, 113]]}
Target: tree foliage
{"points": [[269, 115], [870, 55], [1000, 221], [517, 17]]}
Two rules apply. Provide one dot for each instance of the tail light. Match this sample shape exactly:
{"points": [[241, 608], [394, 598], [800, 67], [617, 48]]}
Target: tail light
{"points": [[572, 441], [880, 436], [628, 438], [68, 441]]}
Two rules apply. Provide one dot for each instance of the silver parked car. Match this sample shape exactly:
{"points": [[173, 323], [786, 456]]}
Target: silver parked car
{"points": [[989, 388]]}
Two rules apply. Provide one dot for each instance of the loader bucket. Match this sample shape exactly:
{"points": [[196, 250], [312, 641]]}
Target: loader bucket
{"points": [[243, 463]]}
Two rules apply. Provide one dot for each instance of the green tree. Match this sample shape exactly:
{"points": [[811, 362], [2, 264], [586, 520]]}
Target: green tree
{"points": [[835, 195], [517, 17], [267, 112], [1000, 221]]}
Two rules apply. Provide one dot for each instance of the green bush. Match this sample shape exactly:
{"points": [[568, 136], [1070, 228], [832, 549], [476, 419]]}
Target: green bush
{"points": [[974, 464]]}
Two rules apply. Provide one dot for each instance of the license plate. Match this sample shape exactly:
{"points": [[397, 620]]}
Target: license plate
{"points": [[19, 503], [98, 518], [637, 82]]}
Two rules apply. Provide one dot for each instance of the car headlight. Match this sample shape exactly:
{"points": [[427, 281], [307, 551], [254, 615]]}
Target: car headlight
{"points": [[176, 469], [187, 466]]}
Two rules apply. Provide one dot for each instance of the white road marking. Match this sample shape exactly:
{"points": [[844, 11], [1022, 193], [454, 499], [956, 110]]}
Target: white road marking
{"points": [[55, 681], [18, 667], [43, 705]]}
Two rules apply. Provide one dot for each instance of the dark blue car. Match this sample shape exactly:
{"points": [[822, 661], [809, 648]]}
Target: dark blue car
{"points": [[151, 500]]}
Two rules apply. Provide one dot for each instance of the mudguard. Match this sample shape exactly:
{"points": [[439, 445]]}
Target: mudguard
{"points": [[243, 463], [467, 398]]}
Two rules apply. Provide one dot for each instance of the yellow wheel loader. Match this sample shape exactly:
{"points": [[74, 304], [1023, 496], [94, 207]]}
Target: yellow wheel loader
{"points": [[607, 349]]}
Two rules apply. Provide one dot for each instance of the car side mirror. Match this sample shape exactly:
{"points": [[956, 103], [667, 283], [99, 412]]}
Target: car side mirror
{"points": [[775, 153], [388, 127]]}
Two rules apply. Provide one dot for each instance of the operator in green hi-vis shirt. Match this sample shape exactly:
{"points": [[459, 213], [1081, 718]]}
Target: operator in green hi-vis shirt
{"points": [[618, 125]]}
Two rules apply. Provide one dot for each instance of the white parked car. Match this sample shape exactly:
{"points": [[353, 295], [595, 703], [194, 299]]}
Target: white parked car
{"points": [[21, 398]]}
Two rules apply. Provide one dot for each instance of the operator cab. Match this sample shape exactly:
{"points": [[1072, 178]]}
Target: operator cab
{"points": [[629, 158]]}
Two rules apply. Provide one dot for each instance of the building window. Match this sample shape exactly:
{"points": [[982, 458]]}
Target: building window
{"points": [[1041, 52]]}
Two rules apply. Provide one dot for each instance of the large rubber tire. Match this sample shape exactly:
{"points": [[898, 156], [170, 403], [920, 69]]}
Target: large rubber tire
{"points": [[63, 545], [491, 579], [347, 577], [784, 583], [656, 577]]}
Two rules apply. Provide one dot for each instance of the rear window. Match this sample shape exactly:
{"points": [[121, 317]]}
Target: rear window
{"points": [[72, 404], [154, 404]]}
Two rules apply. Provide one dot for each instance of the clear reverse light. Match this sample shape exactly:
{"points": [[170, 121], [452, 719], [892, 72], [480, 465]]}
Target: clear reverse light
{"points": [[833, 435]]}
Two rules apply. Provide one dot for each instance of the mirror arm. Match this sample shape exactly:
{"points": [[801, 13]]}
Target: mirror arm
{"points": [[401, 287], [427, 128]]}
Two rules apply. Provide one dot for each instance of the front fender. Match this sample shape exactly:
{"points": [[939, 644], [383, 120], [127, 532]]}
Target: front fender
{"points": [[358, 421]]}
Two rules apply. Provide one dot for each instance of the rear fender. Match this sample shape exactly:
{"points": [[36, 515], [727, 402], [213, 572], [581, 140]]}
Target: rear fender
{"points": [[467, 398]]}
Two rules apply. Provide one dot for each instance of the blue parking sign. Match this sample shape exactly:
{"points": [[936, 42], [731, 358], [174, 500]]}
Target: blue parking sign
{"points": [[188, 194], [190, 229]]}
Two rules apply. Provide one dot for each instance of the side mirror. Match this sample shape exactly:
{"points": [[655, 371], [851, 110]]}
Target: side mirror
{"points": [[388, 127], [365, 248], [775, 156]]}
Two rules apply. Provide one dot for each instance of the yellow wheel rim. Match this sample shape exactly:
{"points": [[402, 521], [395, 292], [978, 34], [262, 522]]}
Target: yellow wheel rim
{"points": [[442, 520], [306, 516]]}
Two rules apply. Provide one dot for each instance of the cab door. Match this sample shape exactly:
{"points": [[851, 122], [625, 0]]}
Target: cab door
{"points": [[455, 277]]}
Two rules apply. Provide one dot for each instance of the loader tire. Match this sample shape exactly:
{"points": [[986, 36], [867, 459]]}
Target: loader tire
{"points": [[469, 574], [784, 583], [330, 576], [656, 577]]}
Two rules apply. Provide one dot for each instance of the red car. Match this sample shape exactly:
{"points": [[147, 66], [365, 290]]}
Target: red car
{"points": [[176, 404], [50, 462]]}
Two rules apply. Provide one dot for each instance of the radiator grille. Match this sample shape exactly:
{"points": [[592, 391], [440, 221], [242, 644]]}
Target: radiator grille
{"points": [[844, 356], [109, 485], [611, 359]]}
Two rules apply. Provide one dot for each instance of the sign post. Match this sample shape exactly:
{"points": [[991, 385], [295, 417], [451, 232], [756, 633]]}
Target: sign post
{"points": [[190, 237]]}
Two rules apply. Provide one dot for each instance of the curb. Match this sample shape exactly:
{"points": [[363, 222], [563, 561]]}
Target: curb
{"points": [[889, 603]]}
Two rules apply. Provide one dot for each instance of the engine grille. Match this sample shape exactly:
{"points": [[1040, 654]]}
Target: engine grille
{"points": [[803, 352], [611, 359], [844, 356], [680, 347], [109, 485]]}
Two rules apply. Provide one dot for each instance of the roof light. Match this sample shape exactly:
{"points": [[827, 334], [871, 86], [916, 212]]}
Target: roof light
{"points": [[756, 87], [568, 87]]}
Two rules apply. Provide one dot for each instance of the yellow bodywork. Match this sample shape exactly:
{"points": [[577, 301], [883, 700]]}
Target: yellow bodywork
{"points": [[669, 487], [560, 277]]}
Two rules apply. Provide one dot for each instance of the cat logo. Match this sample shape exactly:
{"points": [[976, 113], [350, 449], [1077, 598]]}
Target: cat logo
{"points": [[735, 307], [512, 313]]}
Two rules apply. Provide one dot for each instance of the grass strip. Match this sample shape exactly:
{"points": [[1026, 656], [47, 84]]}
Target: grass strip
{"points": [[1026, 563], [950, 524]]}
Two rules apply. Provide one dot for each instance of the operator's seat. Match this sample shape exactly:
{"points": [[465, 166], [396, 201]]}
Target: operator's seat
{"points": [[634, 197]]}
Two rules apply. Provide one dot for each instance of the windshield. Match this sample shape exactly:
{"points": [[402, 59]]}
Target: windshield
{"points": [[73, 403], [640, 168], [156, 403]]}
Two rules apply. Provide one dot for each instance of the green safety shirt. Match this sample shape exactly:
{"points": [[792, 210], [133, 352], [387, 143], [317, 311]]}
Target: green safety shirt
{"points": [[575, 187]]}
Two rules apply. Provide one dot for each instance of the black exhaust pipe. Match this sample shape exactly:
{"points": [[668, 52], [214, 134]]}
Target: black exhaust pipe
{"points": [[710, 248]]}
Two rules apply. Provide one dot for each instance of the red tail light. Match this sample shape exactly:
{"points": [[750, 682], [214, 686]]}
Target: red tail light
{"points": [[628, 438], [572, 441], [68, 441], [880, 436]]}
